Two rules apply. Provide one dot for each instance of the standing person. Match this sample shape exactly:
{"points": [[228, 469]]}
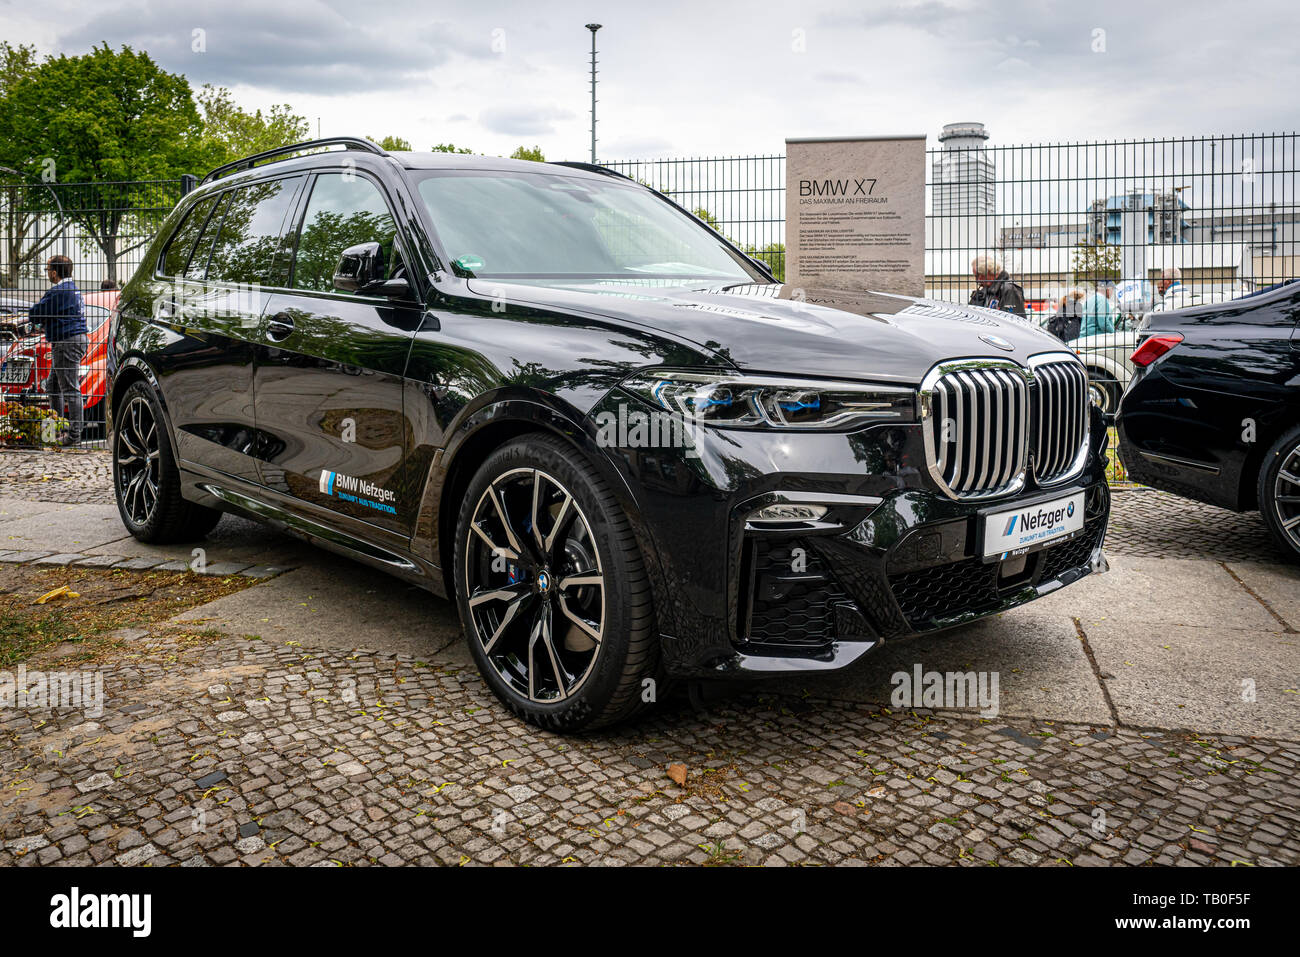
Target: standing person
{"points": [[1068, 320], [994, 288], [61, 316], [1098, 312], [1173, 294]]}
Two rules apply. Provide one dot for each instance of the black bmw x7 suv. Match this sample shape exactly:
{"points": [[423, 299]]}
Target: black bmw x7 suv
{"points": [[627, 451]]}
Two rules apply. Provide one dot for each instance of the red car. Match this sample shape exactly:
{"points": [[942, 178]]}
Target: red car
{"points": [[25, 358]]}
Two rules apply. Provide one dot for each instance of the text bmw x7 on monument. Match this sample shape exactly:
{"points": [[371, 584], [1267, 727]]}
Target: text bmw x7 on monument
{"points": [[627, 451]]}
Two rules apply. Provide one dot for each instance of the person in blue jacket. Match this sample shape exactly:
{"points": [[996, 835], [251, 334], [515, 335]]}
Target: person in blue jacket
{"points": [[61, 316]]}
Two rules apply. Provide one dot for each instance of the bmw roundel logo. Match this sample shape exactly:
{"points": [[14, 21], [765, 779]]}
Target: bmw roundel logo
{"points": [[544, 579], [1069, 510], [998, 342]]}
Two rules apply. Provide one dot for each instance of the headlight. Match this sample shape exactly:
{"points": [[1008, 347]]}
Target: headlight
{"points": [[767, 402]]}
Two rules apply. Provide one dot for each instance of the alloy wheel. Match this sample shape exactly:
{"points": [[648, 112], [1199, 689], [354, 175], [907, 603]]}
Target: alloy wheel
{"points": [[535, 585], [1286, 495], [136, 460]]}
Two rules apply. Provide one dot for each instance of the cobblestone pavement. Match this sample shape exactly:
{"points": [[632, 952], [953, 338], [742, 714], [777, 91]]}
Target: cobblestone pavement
{"points": [[1144, 522], [242, 752], [73, 478]]}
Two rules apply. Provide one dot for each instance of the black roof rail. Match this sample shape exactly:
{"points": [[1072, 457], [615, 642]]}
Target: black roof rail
{"points": [[592, 168], [248, 162]]}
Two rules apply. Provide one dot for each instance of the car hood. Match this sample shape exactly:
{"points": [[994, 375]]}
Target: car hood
{"points": [[772, 327]]}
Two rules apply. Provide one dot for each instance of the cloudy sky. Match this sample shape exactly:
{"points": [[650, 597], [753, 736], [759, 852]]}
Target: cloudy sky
{"points": [[698, 77]]}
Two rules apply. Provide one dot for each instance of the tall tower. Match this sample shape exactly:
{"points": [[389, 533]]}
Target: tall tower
{"points": [[962, 195]]}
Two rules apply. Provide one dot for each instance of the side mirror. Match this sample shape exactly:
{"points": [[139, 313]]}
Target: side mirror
{"points": [[397, 288], [359, 266]]}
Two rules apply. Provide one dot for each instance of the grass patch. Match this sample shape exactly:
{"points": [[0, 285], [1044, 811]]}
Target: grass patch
{"points": [[76, 627]]}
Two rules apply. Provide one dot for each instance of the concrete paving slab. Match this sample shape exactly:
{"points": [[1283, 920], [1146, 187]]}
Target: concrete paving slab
{"points": [[1041, 664], [336, 604], [234, 539], [1160, 591], [67, 558], [1279, 585], [1180, 676], [67, 528], [17, 509]]}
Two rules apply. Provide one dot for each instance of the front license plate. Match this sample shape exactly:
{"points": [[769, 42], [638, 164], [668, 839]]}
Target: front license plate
{"points": [[1031, 527]]}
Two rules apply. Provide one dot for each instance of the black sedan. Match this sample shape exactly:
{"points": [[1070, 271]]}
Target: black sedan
{"points": [[1213, 411]]}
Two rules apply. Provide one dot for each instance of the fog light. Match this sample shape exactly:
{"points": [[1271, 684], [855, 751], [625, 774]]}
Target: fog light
{"points": [[786, 512]]}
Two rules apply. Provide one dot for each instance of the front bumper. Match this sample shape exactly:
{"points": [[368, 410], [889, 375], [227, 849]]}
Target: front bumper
{"points": [[891, 557]]}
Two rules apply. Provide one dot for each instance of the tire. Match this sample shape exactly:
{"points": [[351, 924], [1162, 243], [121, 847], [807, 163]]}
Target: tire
{"points": [[146, 482], [1279, 492], [565, 657], [1105, 390]]}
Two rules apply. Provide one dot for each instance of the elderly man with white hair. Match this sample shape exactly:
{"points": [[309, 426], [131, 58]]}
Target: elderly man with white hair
{"points": [[1173, 294], [993, 287]]}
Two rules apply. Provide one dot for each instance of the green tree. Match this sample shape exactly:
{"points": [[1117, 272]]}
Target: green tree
{"points": [[107, 117], [16, 63], [394, 143], [1094, 262], [524, 153], [230, 132], [21, 204], [708, 217], [773, 254], [447, 148]]}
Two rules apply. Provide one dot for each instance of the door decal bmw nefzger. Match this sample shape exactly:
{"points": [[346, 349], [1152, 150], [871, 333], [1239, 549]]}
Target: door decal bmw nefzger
{"points": [[358, 491]]}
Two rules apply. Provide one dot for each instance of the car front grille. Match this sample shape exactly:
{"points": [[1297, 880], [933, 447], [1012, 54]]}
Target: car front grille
{"points": [[979, 423], [1061, 411], [983, 417]]}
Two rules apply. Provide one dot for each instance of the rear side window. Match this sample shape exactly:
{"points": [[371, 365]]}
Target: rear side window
{"points": [[177, 256], [342, 211], [250, 235], [198, 266]]}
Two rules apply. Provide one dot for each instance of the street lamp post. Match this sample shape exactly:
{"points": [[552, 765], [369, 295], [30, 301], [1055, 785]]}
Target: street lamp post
{"points": [[593, 27]]}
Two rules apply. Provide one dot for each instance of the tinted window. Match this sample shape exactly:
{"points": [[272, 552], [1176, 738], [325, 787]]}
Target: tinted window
{"points": [[177, 256], [250, 234], [342, 211], [198, 267]]}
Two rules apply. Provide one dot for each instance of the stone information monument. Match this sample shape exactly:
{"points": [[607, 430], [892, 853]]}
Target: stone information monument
{"points": [[855, 214]]}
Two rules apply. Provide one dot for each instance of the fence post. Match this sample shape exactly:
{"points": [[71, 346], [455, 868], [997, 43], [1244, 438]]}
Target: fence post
{"points": [[188, 182]]}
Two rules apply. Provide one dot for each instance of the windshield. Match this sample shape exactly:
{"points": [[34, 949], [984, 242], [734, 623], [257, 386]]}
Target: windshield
{"points": [[542, 226]]}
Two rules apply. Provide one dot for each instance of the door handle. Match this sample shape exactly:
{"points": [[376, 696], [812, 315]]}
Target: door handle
{"points": [[280, 326]]}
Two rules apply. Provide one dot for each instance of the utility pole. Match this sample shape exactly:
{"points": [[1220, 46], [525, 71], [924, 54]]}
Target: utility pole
{"points": [[593, 27]]}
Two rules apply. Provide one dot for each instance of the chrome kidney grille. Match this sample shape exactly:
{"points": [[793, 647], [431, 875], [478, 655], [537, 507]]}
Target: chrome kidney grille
{"points": [[1061, 411], [983, 417]]}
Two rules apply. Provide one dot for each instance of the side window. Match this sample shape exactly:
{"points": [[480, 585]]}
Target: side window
{"points": [[246, 247], [342, 211], [177, 256], [198, 264]]}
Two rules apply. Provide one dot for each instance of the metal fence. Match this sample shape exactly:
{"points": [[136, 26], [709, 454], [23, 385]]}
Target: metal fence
{"points": [[1063, 218], [102, 228], [1066, 220]]}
